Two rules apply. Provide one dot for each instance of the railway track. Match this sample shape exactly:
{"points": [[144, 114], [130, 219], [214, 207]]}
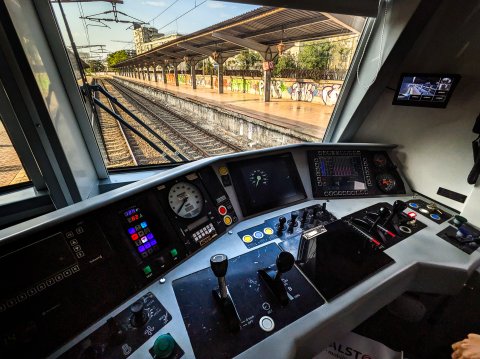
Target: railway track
{"points": [[188, 137], [116, 152]]}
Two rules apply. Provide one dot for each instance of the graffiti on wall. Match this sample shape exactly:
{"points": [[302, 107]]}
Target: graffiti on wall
{"points": [[307, 91]]}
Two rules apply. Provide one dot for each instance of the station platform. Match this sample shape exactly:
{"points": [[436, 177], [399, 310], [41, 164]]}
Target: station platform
{"points": [[305, 117], [11, 170]]}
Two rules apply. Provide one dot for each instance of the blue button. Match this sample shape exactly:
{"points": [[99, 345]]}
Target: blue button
{"points": [[413, 205], [258, 234], [143, 224], [435, 216]]}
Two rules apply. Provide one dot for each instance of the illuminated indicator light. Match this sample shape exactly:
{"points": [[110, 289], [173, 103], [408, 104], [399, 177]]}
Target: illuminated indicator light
{"points": [[174, 252], [413, 205], [223, 171], [227, 220], [147, 270], [268, 231], [153, 242], [222, 210], [131, 230], [258, 234], [141, 249], [150, 235], [435, 216], [143, 224], [247, 238], [147, 245], [412, 215], [144, 239], [134, 236]]}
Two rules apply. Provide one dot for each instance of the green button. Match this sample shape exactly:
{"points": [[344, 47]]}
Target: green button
{"points": [[174, 252], [147, 270], [163, 346]]}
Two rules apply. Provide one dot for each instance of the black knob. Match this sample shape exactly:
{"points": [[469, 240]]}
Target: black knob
{"points": [[281, 222], [304, 215], [398, 206], [219, 265], [139, 315], [285, 261], [294, 216], [383, 212]]}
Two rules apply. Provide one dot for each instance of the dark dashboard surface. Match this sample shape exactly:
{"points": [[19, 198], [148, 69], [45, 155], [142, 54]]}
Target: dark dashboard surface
{"points": [[87, 265]]}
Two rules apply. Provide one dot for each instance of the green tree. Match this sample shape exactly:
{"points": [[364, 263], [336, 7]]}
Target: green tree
{"points": [[96, 66], [285, 62], [114, 58], [316, 56], [248, 60]]}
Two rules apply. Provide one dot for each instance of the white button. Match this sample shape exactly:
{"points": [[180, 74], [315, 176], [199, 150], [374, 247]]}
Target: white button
{"points": [[267, 323]]}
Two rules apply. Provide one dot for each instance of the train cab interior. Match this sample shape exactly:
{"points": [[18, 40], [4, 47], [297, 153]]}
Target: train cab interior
{"points": [[271, 251]]}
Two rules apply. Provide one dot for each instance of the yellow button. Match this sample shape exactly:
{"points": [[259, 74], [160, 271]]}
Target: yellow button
{"points": [[247, 238], [227, 220], [223, 171], [268, 230]]}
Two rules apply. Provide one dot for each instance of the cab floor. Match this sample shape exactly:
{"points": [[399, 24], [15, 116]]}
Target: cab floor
{"points": [[446, 320]]}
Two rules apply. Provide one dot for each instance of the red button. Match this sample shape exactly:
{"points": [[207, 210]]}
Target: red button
{"points": [[412, 215], [222, 210], [134, 236]]}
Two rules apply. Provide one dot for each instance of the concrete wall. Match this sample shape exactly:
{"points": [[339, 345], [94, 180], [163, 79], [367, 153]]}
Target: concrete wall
{"points": [[254, 132]]}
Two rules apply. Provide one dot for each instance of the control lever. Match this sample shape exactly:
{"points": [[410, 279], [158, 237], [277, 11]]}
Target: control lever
{"points": [[304, 218], [281, 225], [382, 214], [398, 207], [293, 222], [272, 276], [139, 315], [219, 266]]}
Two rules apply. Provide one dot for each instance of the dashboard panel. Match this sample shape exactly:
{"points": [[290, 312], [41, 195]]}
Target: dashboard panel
{"points": [[99, 277]]}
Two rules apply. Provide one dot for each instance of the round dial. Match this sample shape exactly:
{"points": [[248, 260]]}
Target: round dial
{"points": [[379, 160], [386, 182], [258, 178], [185, 200]]}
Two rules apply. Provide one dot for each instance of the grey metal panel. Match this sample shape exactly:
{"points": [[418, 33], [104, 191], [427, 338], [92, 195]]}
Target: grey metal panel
{"points": [[424, 262], [91, 204]]}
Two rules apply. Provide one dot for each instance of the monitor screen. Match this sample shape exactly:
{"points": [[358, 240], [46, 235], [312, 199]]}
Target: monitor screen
{"points": [[266, 182], [425, 90]]}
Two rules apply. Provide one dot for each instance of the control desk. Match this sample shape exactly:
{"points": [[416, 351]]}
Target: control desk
{"points": [[275, 251]]}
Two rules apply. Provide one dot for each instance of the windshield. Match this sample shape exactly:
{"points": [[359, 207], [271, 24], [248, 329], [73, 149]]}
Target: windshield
{"points": [[174, 81]]}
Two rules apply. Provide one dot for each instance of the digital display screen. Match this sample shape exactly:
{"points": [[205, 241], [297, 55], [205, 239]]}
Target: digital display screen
{"points": [[427, 90], [340, 173], [45, 258], [139, 232], [266, 182]]}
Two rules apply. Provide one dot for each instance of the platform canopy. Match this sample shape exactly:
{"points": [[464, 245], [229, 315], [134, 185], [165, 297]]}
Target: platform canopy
{"points": [[261, 29]]}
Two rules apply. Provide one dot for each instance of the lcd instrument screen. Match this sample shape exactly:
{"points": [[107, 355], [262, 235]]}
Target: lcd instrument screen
{"points": [[266, 182]]}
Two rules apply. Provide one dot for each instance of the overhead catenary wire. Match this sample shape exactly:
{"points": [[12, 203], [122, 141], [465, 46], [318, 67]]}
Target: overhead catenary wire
{"points": [[185, 13]]}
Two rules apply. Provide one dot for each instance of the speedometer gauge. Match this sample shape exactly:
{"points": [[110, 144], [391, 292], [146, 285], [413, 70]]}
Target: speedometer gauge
{"points": [[258, 178], [185, 199], [386, 182]]}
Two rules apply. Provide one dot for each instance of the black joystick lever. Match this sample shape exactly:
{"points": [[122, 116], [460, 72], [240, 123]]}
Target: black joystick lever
{"points": [[293, 222], [272, 276], [139, 315], [398, 207], [281, 225], [219, 265]]}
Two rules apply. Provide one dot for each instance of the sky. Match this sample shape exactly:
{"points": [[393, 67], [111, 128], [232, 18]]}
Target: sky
{"points": [[206, 14]]}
